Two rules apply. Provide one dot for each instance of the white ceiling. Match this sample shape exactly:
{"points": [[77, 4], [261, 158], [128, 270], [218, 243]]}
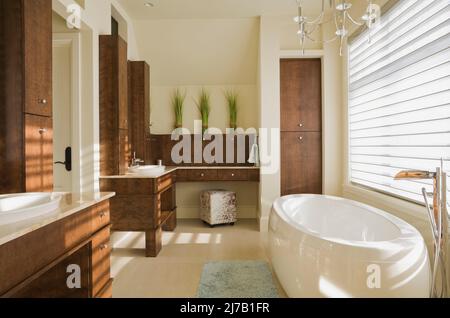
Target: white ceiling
{"points": [[214, 9]]}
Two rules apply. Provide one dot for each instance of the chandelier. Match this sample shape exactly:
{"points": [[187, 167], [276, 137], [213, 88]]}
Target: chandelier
{"points": [[341, 18]]}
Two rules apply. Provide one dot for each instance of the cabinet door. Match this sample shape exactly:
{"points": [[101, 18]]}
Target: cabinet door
{"points": [[301, 95], [38, 154], [122, 83], [301, 163], [38, 57]]}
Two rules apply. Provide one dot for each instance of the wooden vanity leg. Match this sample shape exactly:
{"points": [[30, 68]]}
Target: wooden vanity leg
{"points": [[153, 242]]}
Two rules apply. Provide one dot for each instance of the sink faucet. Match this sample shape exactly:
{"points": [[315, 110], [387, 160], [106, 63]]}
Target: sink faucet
{"points": [[438, 217], [135, 162]]}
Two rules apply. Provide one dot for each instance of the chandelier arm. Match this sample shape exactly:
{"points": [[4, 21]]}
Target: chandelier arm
{"points": [[317, 20], [353, 20]]}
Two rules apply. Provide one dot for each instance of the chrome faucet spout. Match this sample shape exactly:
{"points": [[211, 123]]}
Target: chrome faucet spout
{"points": [[415, 174]]}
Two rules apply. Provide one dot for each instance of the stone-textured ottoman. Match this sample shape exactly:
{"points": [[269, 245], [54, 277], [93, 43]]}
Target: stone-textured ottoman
{"points": [[218, 207]]}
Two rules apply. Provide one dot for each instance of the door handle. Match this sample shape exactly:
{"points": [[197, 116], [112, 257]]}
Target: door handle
{"points": [[68, 159]]}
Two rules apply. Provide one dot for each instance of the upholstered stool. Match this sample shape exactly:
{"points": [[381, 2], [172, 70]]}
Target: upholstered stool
{"points": [[218, 207]]}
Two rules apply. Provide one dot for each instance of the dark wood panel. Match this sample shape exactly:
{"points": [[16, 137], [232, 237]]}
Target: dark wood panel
{"points": [[135, 212], [139, 109], [38, 56], [12, 93], [301, 163], [301, 95], [114, 140], [38, 153], [162, 146], [122, 70], [109, 117], [124, 186]]}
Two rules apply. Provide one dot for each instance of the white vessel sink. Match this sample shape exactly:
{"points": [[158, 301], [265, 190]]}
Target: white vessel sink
{"points": [[19, 207], [147, 170]]}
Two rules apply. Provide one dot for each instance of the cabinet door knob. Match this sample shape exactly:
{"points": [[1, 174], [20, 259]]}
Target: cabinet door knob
{"points": [[103, 247], [232, 174], [102, 215], [42, 101], [300, 138], [42, 131], [202, 175], [300, 125]]}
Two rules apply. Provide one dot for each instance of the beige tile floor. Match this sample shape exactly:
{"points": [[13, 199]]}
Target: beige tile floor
{"points": [[176, 271]]}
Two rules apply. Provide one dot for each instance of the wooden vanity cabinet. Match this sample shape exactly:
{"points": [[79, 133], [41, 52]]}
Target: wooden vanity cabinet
{"points": [[26, 96], [114, 135], [36, 265], [143, 205]]}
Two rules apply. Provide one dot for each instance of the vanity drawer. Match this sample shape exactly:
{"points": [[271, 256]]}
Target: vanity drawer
{"points": [[101, 253], [199, 175], [233, 175], [101, 216], [164, 183]]}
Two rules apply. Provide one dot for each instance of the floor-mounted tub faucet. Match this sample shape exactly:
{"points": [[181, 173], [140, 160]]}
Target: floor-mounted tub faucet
{"points": [[438, 220]]}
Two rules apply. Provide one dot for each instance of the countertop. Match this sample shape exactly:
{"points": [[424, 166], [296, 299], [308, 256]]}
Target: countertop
{"points": [[69, 205], [173, 169]]}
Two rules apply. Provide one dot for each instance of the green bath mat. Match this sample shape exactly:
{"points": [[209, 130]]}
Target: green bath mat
{"points": [[237, 279]]}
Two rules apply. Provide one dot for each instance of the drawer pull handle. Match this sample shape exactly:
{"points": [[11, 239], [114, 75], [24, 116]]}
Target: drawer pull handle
{"points": [[300, 125], [42, 101], [103, 247], [300, 138], [102, 215], [232, 175], [42, 131], [202, 175]]}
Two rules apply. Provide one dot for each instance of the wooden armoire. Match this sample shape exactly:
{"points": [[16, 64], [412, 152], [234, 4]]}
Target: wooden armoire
{"points": [[26, 133], [301, 126]]}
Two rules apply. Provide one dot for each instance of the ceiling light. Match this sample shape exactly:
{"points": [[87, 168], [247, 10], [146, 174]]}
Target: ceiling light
{"points": [[340, 17]]}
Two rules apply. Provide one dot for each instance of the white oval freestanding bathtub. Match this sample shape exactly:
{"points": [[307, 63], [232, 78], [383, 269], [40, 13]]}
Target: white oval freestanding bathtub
{"points": [[322, 246]]}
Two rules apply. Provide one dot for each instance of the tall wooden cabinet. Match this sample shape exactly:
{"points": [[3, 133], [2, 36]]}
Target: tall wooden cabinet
{"points": [[26, 152], [139, 109], [301, 126], [114, 135]]}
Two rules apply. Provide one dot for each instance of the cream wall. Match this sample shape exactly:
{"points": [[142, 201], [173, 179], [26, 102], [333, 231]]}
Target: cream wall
{"points": [[214, 54], [278, 39]]}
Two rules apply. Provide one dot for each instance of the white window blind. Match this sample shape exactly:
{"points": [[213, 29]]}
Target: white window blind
{"points": [[399, 98]]}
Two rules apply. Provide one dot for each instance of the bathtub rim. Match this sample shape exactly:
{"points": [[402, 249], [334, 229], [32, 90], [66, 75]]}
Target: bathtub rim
{"points": [[409, 236]]}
